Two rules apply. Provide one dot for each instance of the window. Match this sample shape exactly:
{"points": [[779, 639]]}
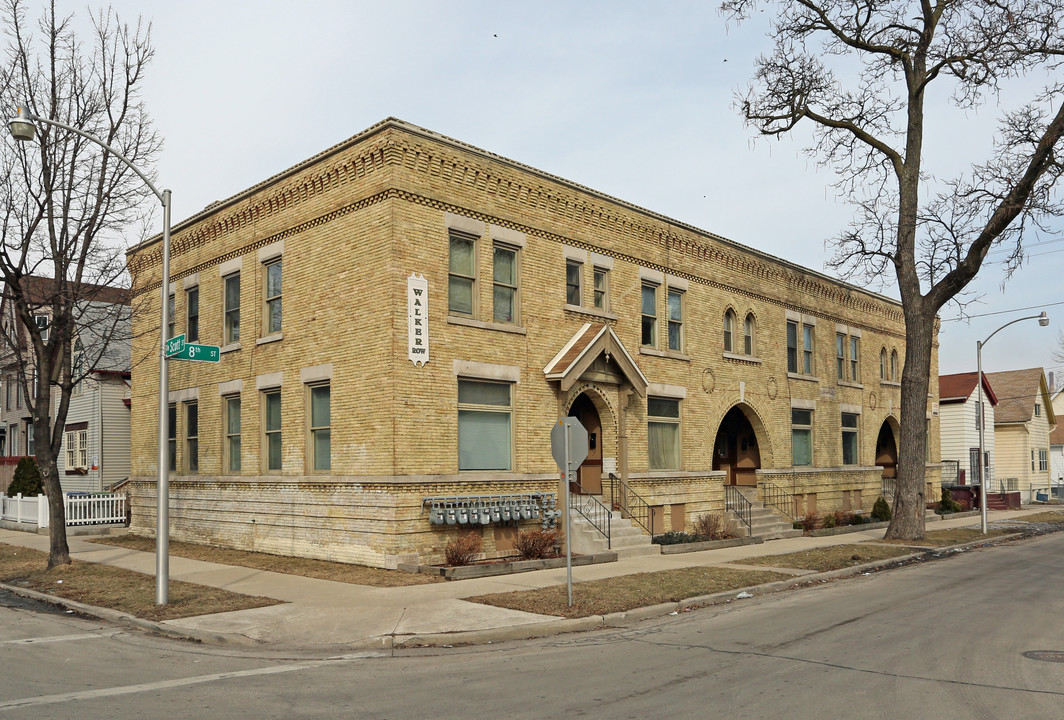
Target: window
{"points": [[192, 438], [42, 324], [272, 430], [572, 282], [650, 315], [849, 439], [800, 349], [320, 428], [675, 308], [1043, 460], [462, 278], [171, 311], [894, 365], [231, 446], [884, 374], [801, 437], [12, 433], [77, 366], [272, 310], [484, 425], [748, 334], [602, 289], [1037, 409], [192, 314], [729, 331], [77, 446], [840, 355], [855, 356], [504, 276], [31, 446], [663, 433], [171, 435], [232, 308]]}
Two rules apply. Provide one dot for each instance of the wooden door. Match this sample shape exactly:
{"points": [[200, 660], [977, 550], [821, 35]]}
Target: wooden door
{"points": [[589, 475]]}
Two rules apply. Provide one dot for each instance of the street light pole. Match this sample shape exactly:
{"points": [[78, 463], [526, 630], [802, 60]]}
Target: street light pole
{"points": [[23, 129], [1043, 320]]}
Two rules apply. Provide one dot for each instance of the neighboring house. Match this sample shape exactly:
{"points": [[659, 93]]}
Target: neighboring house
{"points": [[442, 307], [1023, 419], [1056, 448], [95, 451], [959, 424]]}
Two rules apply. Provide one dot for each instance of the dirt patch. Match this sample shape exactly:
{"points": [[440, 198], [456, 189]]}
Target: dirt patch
{"points": [[943, 538], [1049, 516], [306, 567], [115, 588], [834, 557], [599, 597]]}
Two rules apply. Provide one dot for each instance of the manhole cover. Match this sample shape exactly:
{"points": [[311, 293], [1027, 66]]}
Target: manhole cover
{"points": [[1046, 655]]}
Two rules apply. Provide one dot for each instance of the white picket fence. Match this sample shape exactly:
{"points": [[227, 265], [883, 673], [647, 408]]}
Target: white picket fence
{"points": [[87, 509]]}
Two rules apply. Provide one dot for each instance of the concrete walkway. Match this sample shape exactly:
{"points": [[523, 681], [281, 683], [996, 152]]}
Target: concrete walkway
{"points": [[320, 614]]}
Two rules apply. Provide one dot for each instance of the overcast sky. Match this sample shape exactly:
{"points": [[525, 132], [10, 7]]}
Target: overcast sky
{"points": [[634, 99]]}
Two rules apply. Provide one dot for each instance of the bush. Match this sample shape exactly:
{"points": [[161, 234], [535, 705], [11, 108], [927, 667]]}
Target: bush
{"points": [[843, 518], [714, 526], [27, 479], [537, 544], [810, 522], [829, 521], [881, 511], [948, 504], [463, 549]]}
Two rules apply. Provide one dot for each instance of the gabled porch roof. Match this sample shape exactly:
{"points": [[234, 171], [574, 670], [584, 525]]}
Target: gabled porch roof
{"points": [[590, 341]]}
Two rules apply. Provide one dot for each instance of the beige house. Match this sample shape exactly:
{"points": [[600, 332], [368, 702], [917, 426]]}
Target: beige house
{"points": [[403, 317], [1023, 419]]}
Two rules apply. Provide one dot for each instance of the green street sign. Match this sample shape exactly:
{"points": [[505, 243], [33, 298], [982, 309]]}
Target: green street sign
{"points": [[200, 353], [174, 345]]}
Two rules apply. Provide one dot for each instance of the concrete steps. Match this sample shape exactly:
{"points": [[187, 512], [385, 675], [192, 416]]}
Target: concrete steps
{"points": [[627, 539], [764, 522]]}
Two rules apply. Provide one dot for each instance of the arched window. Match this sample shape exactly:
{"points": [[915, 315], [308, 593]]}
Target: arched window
{"points": [[748, 334], [883, 365], [729, 331], [894, 365]]}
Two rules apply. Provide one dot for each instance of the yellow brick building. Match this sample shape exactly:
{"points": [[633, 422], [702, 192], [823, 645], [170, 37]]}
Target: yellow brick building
{"points": [[345, 400]]}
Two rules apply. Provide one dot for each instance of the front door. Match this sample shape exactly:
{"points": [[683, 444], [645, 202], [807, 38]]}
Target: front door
{"points": [[589, 476], [887, 452], [735, 449]]}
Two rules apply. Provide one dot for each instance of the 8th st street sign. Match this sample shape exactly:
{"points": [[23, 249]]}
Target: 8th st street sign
{"points": [[178, 349]]}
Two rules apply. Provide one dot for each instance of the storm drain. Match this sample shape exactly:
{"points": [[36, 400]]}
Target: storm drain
{"points": [[1045, 655]]}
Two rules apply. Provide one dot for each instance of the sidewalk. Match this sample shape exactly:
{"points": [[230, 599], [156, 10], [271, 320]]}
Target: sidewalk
{"points": [[318, 614]]}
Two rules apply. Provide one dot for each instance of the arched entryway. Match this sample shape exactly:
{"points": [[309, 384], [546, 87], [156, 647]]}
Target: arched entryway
{"points": [[735, 449], [589, 477], [887, 450]]}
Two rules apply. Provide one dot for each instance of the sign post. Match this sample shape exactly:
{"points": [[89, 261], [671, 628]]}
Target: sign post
{"points": [[569, 446]]}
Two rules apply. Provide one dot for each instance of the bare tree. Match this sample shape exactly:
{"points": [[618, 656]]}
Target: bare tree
{"points": [[64, 204], [860, 73]]}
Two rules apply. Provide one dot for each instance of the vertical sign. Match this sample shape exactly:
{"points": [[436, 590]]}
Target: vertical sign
{"points": [[417, 305]]}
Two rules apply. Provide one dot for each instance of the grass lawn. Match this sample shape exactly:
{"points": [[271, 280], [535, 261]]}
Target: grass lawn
{"points": [[834, 557], [307, 567], [1049, 516], [955, 536], [598, 597], [115, 588]]}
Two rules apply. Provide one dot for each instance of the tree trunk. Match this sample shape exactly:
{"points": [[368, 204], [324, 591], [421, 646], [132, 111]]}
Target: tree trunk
{"points": [[907, 519], [58, 549]]}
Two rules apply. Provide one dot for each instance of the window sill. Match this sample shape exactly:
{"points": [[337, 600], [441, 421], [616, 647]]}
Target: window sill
{"points": [[807, 378], [654, 352], [742, 358], [891, 383], [589, 311], [270, 338], [469, 322], [846, 383], [229, 348]]}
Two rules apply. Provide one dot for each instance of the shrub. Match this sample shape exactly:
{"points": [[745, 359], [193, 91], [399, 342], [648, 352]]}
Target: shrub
{"points": [[673, 537], [463, 549], [881, 511], [537, 544], [829, 520], [810, 522], [948, 504], [27, 479], [714, 526], [843, 518]]}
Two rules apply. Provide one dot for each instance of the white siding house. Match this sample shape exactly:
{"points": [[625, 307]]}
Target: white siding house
{"points": [[959, 422], [96, 446]]}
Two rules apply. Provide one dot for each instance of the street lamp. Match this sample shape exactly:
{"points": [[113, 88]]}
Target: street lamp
{"points": [[1043, 320], [23, 128]]}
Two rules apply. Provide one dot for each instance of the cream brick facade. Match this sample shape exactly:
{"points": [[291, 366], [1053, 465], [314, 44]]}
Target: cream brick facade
{"points": [[352, 224]]}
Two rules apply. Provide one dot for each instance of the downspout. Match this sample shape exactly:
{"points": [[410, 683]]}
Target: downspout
{"points": [[99, 450]]}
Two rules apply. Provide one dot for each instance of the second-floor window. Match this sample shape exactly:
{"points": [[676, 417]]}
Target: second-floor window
{"points": [[272, 295], [462, 275], [675, 307], [192, 314], [729, 331], [504, 278], [649, 308], [171, 320], [232, 308], [572, 282], [602, 288], [800, 338]]}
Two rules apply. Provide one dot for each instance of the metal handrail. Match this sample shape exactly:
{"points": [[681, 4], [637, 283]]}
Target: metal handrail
{"points": [[596, 514], [775, 496], [889, 488], [632, 505], [737, 503]]}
